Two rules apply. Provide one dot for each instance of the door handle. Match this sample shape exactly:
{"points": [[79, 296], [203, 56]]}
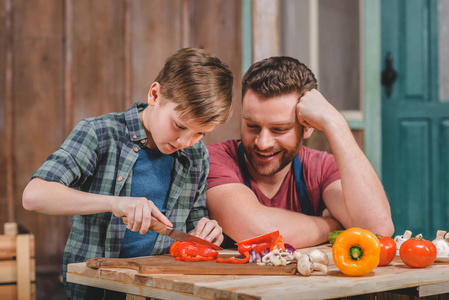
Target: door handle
{"points": [[389, 75]]}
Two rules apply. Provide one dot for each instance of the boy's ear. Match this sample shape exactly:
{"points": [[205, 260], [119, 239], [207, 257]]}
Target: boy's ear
{"points": [[307, 132], [154, 93]]}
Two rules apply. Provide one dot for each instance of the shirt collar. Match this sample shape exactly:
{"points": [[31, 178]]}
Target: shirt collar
{"points": [[137, 132], [133, 122]]}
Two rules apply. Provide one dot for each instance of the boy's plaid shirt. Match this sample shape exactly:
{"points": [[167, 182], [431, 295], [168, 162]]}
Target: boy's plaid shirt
{"points": [[98, 157]]}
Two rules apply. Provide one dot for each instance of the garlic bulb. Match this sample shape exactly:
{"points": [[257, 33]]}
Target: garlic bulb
{"points": [[399, 239], [441, 244]]}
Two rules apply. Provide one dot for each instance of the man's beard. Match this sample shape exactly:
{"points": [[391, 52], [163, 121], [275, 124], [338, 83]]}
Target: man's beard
{"points": [[272, 167]]}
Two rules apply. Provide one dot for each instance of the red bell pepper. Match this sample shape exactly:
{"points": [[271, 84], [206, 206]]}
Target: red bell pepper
{"points": [[234, 260], [190, 251], [279, 243], [258, 244]]}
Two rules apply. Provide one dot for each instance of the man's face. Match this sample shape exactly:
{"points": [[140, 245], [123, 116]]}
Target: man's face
{"points": [[166, 130], [271, 133]]}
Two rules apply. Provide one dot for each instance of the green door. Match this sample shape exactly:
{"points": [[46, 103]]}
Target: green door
{"points": [[415, 121]]}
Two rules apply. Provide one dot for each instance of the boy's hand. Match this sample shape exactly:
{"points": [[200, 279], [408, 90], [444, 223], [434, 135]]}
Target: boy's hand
{"points": [[138, 211], [208, 230]]}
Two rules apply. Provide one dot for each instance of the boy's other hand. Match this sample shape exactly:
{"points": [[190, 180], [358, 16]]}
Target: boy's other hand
{"points": [[138, 211], [208, 230]]}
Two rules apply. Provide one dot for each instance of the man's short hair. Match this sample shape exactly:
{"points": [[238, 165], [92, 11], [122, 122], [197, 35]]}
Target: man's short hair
{"points": [[199, 84], [277, 76]]}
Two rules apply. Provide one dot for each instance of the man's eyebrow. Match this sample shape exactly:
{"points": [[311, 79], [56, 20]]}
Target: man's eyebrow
{"points": [[272, 124], [248, 118]]}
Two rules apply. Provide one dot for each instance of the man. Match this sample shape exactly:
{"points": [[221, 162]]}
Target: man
{"points": [[268, 181]]}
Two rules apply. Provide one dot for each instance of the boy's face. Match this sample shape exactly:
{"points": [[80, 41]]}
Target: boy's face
{"points": [[271, 133], [166, 131]]}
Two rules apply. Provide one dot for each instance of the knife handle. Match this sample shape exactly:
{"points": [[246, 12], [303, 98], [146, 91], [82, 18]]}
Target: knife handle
{"points": [[155, 225], [158, 226]]}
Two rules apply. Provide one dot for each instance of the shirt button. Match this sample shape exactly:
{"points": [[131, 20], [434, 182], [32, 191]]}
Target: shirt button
{"points": [[136, 149], [120, 178], [143, 141], [134, 136]]}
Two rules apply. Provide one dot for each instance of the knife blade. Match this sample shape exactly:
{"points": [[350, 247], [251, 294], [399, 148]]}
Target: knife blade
{"points": [[175, 234]]}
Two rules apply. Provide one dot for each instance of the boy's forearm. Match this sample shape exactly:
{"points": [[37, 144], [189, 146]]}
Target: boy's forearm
{"points": [[56, 199]]}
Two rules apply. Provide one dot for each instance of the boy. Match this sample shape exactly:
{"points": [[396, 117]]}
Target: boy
{"points": [[147, 161]]}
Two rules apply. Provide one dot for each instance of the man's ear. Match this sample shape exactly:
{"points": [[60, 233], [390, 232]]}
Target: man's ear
{"points": [[154, 93], [307, 132]]}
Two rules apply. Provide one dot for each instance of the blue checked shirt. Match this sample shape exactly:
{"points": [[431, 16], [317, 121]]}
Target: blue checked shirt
{"points": [[98, 157]]}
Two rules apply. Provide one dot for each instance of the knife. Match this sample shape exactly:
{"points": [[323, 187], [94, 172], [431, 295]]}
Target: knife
{"points": [[177, 235]]}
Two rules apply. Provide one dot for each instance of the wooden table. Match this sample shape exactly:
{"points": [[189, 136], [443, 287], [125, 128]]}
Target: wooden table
{"points": [[433, 280]]}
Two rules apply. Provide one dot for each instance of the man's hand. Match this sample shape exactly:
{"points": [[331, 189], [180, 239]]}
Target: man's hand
{"points": [[313, 110], [208, 230], [138, 211], [358, 199]]}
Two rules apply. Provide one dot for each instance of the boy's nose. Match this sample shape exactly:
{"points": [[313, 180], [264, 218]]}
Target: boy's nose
{"points": [[185, 141]]}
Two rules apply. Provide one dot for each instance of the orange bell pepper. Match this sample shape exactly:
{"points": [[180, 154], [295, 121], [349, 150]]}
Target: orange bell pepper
{"points": [[356, 252]]}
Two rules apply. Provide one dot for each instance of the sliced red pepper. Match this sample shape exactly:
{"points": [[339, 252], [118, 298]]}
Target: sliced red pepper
{"points": [[234, 260], [173, 247], [258, 244], [185, 257], [190, 251], [279, 243]]}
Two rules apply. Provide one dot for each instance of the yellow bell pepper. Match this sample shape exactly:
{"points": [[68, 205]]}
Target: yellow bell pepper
{"points": [[356, 251]]}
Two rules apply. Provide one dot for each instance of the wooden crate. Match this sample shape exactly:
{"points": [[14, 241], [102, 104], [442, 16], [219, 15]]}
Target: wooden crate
{"points": [[17, 264]]}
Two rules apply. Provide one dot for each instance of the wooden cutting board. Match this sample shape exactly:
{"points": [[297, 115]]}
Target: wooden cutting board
{"points": [[165, 264]]}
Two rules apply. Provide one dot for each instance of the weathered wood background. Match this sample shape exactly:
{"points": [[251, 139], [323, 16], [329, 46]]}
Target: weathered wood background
{"points": [[62, 61], [65, 60]]}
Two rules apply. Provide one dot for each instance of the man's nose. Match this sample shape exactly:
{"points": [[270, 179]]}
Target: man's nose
{"points": [[264, 140]]}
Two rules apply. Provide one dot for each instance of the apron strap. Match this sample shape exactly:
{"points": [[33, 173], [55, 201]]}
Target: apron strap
{"points": [[301, 187]]}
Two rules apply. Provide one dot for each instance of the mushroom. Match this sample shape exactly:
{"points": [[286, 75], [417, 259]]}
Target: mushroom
{"points": [[297, 254], [277, 258], [313, 260], [441, 244], [446, 236], [399, 239]]}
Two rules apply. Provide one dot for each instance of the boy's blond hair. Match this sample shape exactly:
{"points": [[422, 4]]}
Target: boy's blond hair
{"points": [[199, 84]]}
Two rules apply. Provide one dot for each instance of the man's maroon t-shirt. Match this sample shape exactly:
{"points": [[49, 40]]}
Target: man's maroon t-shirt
{"points": [[319, 167]]}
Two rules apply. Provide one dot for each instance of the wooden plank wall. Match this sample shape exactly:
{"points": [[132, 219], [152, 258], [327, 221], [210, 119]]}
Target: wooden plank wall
{"points": [[65, 60]]}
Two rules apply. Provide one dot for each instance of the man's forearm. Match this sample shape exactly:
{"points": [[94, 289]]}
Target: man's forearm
{"points": [[301, 230], [366, 202], [241, 216]]}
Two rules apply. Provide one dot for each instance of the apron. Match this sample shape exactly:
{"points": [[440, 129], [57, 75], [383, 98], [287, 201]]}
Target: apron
{"points": [[301, 189]]}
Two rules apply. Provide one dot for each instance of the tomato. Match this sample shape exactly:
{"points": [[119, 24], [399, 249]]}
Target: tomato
{"points": [[418, 253], [387, 250]]}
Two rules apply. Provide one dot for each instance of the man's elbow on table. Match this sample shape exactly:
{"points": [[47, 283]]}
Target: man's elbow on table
{"points": [[380, 225], [384, 227]]}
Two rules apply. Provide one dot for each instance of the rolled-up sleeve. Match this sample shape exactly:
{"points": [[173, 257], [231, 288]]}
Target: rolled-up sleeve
{"points": [[75, 161]]}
